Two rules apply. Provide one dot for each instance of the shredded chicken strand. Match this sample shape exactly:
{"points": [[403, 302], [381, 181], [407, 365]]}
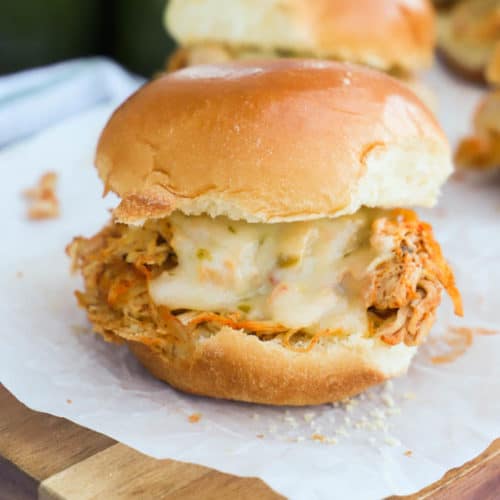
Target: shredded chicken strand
{"points": [[405, 290]]}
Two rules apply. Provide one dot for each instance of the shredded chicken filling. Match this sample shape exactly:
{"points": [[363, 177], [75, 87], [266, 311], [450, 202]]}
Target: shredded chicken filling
{"points": [[396, 281]]}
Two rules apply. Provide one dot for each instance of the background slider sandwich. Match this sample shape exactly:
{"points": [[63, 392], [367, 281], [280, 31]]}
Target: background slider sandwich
{"points": [[395, 36], [390, 35], [258, 252], [469, 39]]}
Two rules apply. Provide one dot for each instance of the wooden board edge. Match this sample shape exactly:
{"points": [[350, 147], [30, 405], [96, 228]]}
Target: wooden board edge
{"points": [[126, 473], [15, 483], [477, 478]]}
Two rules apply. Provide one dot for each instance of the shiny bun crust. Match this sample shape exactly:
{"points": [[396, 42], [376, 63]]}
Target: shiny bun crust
{"points": [[234, 365], [272, 141], [385, 34]]}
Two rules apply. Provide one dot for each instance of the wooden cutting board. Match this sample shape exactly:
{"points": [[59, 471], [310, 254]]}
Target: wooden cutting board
{"points": [[53, 459]]}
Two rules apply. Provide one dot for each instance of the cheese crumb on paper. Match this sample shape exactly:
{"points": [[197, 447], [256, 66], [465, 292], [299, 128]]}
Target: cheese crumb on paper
{"points": [[43, 201]]}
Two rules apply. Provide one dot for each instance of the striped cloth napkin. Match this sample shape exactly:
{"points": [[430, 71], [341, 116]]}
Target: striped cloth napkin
{"points": [[34, 99]]}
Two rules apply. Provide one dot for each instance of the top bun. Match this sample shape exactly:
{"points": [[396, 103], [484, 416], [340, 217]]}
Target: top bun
{"points": [[385, 34], [272, 141]]}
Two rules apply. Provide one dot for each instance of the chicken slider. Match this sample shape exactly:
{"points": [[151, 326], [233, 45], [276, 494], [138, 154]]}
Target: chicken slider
{"points": [[394, 36], [469, 39], [259, 252], [390, 35]]}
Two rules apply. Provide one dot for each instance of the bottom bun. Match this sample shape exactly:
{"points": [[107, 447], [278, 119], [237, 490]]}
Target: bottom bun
{"points": [[234, 365]]}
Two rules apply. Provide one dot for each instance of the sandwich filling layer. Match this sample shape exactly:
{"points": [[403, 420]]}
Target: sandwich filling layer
{"points": [[217, 53], [377, 273]]}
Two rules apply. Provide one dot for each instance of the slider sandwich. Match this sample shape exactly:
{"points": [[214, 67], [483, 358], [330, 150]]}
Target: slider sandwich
{"points": [[481, 149], [469, 39], [394, 36], [259, 252]]}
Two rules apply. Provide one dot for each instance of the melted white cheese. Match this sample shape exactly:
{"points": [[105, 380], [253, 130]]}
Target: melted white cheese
{"points": [[300, 274]]}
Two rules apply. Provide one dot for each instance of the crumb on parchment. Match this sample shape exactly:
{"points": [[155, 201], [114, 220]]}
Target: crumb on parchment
{"points": [[309, 416], [391, 441], [194, 418], [351, 418], [318, 437], [323, 439], [69, 401], [409, 395], [408, 453], [43, 200], [79, 329]]}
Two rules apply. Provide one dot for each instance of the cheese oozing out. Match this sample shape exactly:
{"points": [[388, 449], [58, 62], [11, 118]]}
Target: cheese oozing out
{"points": [[304, 275]]}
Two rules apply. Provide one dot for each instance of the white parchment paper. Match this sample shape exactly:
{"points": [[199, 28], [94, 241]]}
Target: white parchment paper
{"points": [[441, 415]]}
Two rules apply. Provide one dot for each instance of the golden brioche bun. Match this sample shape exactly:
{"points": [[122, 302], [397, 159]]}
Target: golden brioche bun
{"points": [[385, 34], [271, 141], [234, 365]]}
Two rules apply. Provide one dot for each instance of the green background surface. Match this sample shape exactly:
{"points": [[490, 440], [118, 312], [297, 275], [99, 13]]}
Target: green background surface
{"points": [[39, 32]]}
